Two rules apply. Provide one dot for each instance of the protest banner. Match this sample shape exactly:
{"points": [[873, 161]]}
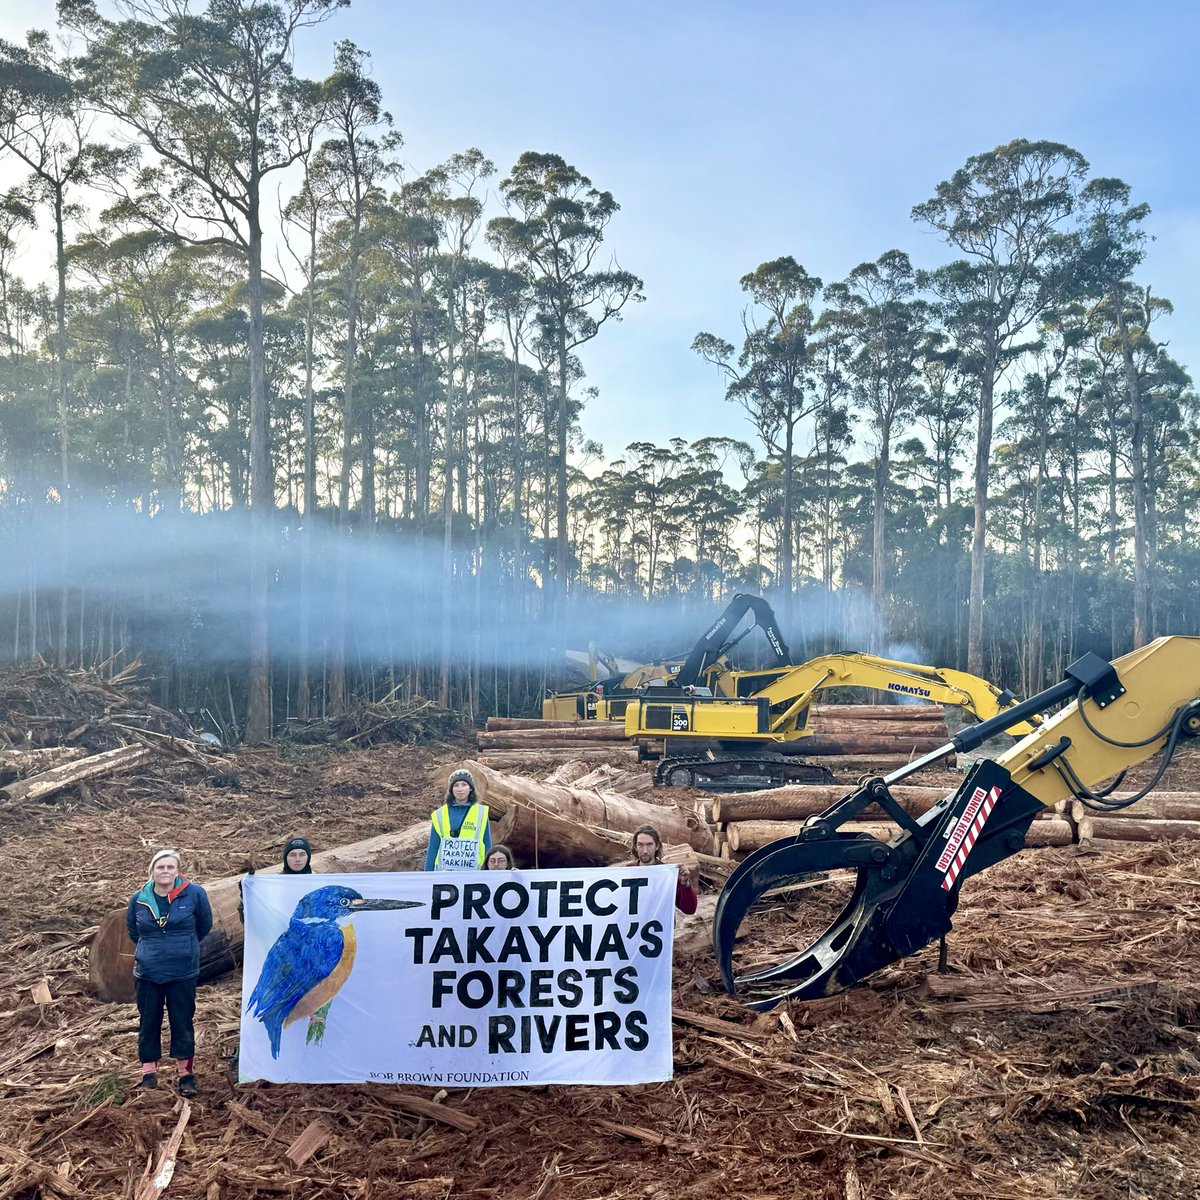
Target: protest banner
{"points": [[465, 978]]}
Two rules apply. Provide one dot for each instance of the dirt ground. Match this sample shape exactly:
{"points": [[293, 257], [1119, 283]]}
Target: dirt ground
{"points": [[1059, 1059]]}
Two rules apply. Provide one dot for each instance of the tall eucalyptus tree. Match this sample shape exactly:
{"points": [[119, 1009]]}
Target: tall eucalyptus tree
{"points": [[1007, 211], [212, 93]]}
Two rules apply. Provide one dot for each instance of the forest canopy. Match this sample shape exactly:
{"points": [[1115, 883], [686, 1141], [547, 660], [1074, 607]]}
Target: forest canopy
{"points": [[294, 459]]}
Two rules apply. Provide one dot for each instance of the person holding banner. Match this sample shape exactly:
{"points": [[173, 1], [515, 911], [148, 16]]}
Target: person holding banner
{"points": [[297, 860], [459, 834], [647, 852], [166, 921]]}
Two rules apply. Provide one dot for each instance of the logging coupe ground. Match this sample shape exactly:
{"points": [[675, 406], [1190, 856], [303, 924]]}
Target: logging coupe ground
{"points": [[1060, 1058]]}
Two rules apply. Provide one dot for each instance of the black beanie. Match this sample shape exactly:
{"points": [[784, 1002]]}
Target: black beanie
{"points": [[297, 843]]}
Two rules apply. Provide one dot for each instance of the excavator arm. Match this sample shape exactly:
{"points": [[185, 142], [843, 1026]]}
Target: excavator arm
{"points": [[790, 694], [901, 895], [718, 640]]}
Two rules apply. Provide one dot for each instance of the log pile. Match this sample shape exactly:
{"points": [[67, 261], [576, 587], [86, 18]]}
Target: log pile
{"points": [[525, 745], [747, 821], [370, 724], [1159, 817], [884, 734], [849, 738], [43, 707]]}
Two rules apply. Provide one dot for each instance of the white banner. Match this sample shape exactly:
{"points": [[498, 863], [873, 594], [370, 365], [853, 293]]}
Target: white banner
{"points": [[470, 978]]}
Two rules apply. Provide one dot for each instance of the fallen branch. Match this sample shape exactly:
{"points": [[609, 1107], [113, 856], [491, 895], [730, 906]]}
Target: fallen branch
{"points": [[153, 1186]]}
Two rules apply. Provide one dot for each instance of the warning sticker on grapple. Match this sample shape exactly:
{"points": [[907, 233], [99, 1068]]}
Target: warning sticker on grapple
{"points": [[966, 832], [960, 828]]}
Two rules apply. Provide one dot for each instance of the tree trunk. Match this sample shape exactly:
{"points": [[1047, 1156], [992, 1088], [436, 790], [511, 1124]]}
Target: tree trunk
{"points": [[1137, 463], [602, 810], [879, 539], [560, 560], [304, 684], [447, 515], [60, 387], [983, 457], [262, 495]]}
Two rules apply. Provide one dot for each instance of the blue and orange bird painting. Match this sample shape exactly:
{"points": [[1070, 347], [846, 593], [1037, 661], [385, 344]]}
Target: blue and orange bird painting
{"points": [[312, 959]]}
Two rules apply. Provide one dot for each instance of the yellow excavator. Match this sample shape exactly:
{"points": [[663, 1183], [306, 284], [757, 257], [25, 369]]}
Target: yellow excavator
{"points": [[896, 897], [727, 736], [605, 699]]}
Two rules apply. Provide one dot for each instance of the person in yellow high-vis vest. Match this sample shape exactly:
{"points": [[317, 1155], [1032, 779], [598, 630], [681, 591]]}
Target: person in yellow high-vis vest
{"points": [[459, 834]]}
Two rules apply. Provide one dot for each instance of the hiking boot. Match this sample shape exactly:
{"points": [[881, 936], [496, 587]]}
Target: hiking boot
{"points": [[187, 1085], [149, 1080]]}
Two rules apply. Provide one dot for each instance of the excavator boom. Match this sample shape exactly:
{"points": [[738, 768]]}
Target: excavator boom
{"points": [[902, 894]]}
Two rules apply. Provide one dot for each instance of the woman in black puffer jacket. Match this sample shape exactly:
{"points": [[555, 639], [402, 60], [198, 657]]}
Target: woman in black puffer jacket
{"points": [[166, 920]]}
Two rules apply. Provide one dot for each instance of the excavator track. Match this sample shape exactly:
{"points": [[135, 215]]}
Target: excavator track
{"points": [[732, 772]]}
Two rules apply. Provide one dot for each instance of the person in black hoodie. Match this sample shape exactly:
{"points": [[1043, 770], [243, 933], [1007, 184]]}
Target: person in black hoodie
{"points": [[166, 920], [297, 860], [297, 857]]}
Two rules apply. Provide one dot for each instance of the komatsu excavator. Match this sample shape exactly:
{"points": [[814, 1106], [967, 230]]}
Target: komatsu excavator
{"points": [[605, 699], [899, 896], [730, 741]]}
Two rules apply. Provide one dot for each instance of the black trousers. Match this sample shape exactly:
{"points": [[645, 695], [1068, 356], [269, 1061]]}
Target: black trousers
{"points": [[179, 997]]}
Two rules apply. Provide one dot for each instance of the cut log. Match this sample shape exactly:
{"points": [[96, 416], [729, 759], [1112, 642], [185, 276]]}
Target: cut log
{"points": [[745, 836], [818, 744], [855, 765], [38, 787], [829, 727], [498, 724], [564, 775], [541, 839], [110, 957], [789, 803], [532, 739], [1130, 829], [1164, 806], [1050, 830], [504, 760], [20, 764], [610, 778], [877, 712], [600, 810]]}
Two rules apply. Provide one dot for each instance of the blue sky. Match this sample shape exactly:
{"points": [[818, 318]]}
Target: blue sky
{"points": [[735, 133]]}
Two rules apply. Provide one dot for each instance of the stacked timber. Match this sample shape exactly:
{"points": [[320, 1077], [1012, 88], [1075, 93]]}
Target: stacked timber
{"points": [[849, 738], [747, 821], [1159, 817], [885, 734], [516, 743]]}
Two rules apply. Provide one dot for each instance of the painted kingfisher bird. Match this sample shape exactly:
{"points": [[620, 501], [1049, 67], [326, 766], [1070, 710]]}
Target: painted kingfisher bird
{"points": [[311, 960]]}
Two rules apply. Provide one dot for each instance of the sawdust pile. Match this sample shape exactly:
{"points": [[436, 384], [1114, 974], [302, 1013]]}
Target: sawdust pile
{"points": [[1059, 1059]]}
